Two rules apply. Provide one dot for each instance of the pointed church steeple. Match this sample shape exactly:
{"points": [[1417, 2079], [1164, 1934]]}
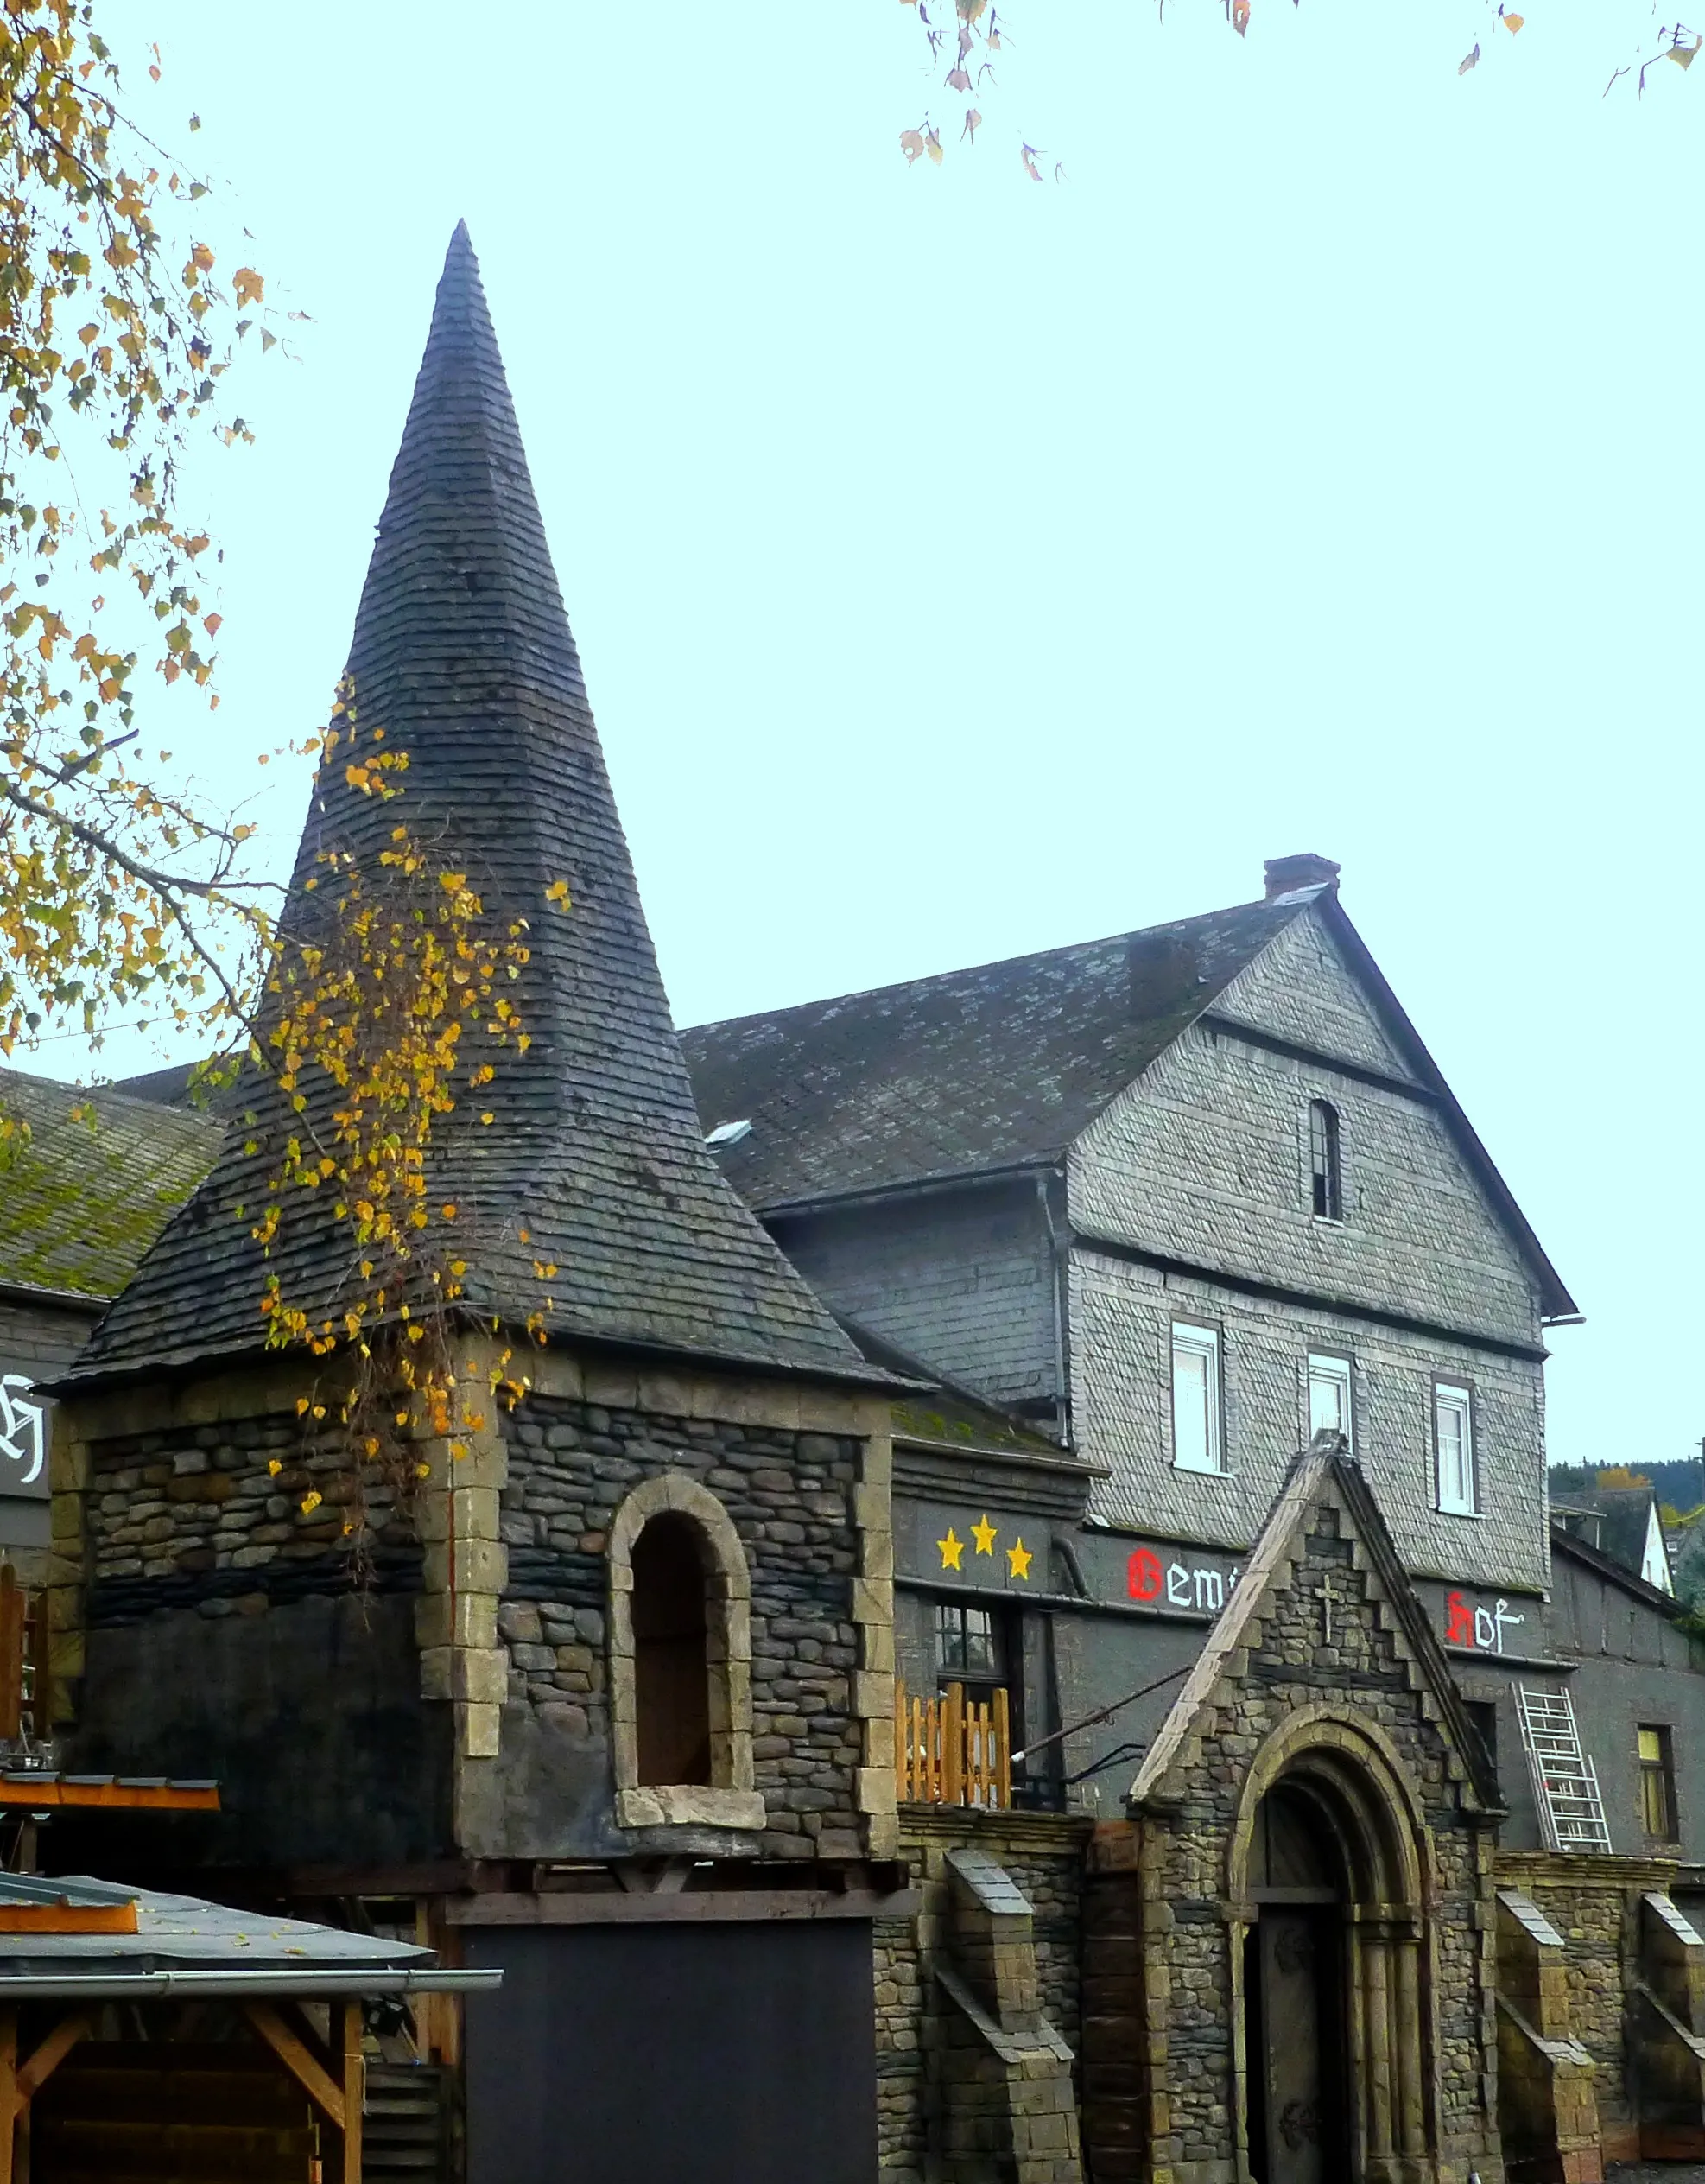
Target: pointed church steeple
{"points": [[595, 1162]]}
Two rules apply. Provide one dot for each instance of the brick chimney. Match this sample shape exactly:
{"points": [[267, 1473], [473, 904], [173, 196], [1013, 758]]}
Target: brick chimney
{"points": [[1290, 875]]}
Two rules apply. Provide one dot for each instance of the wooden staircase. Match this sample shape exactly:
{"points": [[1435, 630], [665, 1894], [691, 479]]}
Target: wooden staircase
{"points": [[406, 2123]]}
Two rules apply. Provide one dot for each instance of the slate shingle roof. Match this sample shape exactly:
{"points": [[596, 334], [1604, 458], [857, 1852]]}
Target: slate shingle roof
{"points": [[997, 1067], [462, 652], [97, 1181], [1004, 1066]]}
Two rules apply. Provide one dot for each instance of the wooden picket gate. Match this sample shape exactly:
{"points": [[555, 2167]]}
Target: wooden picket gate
{"points": [[948, 1753]]}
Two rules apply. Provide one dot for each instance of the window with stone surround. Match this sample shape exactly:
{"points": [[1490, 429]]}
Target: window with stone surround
{"points": [[671, 1653], [1198, 1432], [680, 1638], [1326, 1181]]}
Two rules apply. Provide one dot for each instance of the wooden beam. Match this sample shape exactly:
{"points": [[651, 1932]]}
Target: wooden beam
{"points": [[9, 2088], [576, 1908], [34, 2075], [355, 2072], [12, 1653], [293, 2051]]}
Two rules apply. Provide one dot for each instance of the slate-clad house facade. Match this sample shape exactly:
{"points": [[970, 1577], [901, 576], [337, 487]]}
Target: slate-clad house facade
{"points": [[1004, 1638]]}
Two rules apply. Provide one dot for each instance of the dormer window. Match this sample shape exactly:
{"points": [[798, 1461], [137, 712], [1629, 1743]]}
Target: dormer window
{"points": [[1325, 1173]]}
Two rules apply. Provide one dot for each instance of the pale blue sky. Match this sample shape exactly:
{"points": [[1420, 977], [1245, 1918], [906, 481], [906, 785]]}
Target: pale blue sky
{"points": [[963, 567]]}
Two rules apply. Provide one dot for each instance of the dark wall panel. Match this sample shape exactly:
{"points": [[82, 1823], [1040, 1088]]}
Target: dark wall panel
{"points": [[674, 2054]]}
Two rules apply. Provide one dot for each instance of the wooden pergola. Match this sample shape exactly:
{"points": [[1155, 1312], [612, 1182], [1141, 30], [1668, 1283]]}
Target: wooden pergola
{"points": [[248, 2087]]}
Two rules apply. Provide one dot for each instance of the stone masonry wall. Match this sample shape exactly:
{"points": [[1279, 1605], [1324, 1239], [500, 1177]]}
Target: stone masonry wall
{"points": [[1044, 1858], [1594, 1904], [790, 1497], [213, 1517]]}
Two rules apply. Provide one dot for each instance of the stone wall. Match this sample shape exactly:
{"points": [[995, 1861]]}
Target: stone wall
{"points": [[790, 1496], [1043, 1856], [213, 1517], [1594, 1904]]}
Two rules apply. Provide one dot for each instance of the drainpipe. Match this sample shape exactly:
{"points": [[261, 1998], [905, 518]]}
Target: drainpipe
{"points": [[1059, 1250]]}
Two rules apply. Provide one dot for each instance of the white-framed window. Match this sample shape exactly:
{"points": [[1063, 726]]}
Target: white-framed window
{"points": [[1198, 1442], [1329, 1405], [1454, 1441]]}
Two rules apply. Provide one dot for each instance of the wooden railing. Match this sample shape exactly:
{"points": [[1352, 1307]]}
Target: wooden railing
{"points": [[948, 1753], [23, 1661]]}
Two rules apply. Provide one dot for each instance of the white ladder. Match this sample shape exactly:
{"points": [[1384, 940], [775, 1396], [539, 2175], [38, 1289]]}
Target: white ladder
{"points": [[1565, 1781]]}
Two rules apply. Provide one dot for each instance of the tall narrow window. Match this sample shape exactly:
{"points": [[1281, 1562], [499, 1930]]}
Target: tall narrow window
{"points": [[1327, 1182], [1330, 1406], [1453, 1442], [1657, 1784], [671, 1654], [1196, 1442]]}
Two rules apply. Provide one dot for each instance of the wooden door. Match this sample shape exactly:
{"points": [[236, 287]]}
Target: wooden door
{"points": [[1301, 2040]]}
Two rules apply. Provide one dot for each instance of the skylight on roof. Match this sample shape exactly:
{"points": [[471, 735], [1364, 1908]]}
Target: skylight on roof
{"points": [[727, 1133]]}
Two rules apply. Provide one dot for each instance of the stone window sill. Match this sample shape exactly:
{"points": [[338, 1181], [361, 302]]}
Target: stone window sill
{"points": [[689, 1805]]}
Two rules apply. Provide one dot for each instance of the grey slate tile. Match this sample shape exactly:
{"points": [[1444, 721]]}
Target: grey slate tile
{"points": [[462, 651]]}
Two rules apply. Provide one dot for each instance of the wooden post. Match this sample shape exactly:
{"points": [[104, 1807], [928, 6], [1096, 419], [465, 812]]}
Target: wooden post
{"points": [[355, 2076], [1003, 1721], [952, 1746], [902, 1743], [8, 2089], [11, 1654]]}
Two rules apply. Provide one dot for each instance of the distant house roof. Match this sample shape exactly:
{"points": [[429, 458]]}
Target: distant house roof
{"points": [[1004, 1066], [99, 1177], [1621, 1524]]}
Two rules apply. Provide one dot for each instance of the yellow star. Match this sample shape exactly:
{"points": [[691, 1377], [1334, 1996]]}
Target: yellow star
{"points": [[951, 1550], [984, 1534], [1018, 1560]]}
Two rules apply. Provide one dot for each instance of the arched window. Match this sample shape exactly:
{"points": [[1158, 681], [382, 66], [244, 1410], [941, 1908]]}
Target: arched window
{"points": [[671, 1654], [680, 1635], [1326, 1172]]}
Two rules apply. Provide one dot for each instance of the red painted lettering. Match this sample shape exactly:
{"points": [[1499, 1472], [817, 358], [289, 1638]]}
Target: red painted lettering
{"points": [[1143, 1575], [1459, 1631]]}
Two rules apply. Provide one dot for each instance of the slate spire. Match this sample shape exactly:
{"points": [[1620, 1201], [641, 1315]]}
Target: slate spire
{"points": [[595, 1162]]}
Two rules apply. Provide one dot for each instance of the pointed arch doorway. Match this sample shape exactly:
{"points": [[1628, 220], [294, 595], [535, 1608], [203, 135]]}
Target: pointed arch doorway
{"points": [[1329, 1963]]}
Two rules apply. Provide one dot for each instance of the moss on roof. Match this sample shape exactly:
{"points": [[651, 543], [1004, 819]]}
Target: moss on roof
{"points": [[85, 1193]]}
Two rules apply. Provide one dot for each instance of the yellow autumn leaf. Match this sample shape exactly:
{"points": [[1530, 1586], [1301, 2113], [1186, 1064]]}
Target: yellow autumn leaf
{"points": [[311, 1502], [1513, 23]]}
